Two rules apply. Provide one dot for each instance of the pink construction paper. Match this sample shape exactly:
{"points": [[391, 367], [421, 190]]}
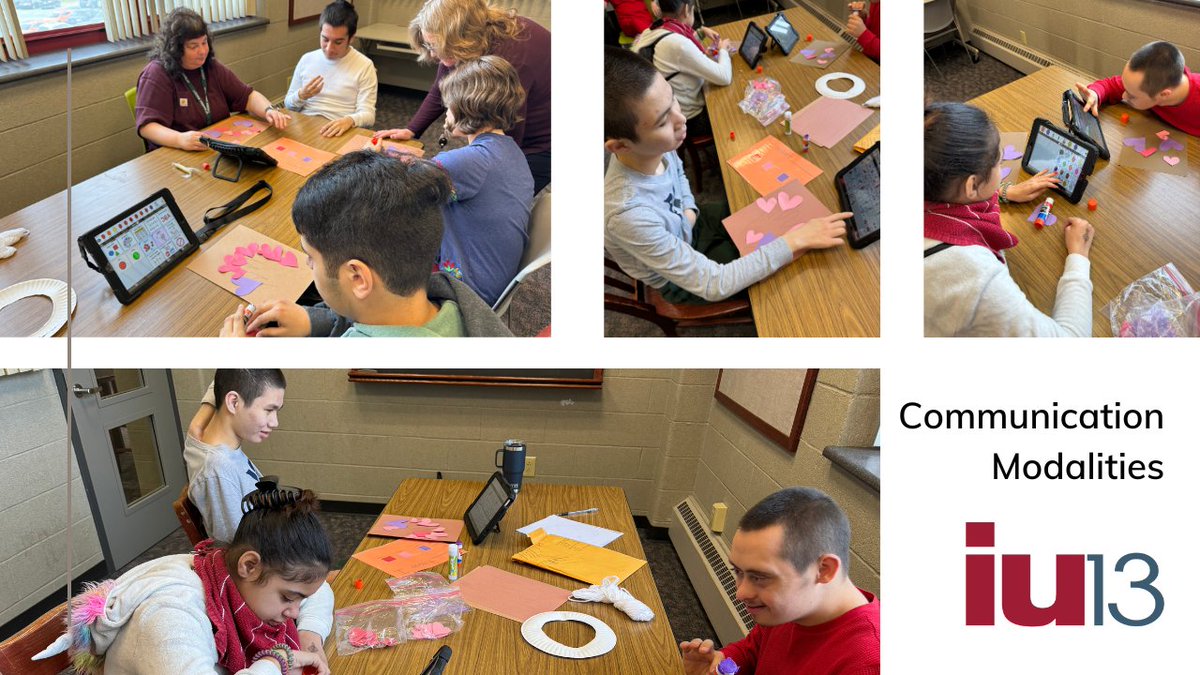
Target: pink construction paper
{"points": [[828, 120], [509, 595]]}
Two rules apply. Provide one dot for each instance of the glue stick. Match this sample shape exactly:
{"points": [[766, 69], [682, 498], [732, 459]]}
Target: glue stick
{"points": [[1043, 213], [453, 562], [787, 123]]}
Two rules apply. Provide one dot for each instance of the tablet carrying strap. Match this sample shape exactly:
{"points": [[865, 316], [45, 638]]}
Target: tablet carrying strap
{"points": [[220, 216]]}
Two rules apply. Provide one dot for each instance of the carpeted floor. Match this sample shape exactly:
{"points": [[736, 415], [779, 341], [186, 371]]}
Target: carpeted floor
{"points": [[346, 530], [955, 78]]}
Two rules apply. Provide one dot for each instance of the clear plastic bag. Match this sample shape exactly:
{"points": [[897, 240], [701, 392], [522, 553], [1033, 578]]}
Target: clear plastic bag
{"points": [[426, 607], [764, 100], [1160, 304]]}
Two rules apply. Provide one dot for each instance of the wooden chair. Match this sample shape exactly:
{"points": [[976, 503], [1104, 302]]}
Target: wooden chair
{"points": [[190, 518], [16, 651], [693, 145], [648, 304]]}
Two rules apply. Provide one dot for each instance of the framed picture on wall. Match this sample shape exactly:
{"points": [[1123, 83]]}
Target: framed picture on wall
{"points": [[303, 11], [774, 402]]}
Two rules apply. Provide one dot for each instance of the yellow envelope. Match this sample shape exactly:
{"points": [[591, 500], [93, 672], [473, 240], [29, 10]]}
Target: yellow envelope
{"points": [[864, 144], [575, 559]]}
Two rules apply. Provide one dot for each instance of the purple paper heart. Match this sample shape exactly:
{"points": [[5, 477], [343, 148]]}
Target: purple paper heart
{"points": [[808, 53], [767, 238], [1011, 153], [243, 123], [1004, 171], [1169, 145], [1050, 218], [1137, 143], [245, 286], [212, 133]]}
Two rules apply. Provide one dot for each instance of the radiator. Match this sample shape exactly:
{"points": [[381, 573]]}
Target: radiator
{"points": [[705, 558], [1008, 52]]}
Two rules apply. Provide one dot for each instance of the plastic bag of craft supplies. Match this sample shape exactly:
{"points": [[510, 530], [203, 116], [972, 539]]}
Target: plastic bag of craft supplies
{"points": [[425, 607], [1160, 304], [764, 100]]}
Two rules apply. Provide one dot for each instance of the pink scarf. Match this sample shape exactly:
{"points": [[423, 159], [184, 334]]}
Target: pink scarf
{"points": [[237, 631], [976, 224], [687, 31]]}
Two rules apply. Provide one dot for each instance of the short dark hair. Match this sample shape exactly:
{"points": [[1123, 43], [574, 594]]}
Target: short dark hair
{"points": [[1161, 65], [813, 525], [249, 383], [181, 25], [960, 141], [384, 211], [341, 13], [485, 92], [627, 78], [288, 537]]}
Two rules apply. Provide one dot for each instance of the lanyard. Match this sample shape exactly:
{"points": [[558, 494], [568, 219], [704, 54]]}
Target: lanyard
{"points": [[203, 102]]}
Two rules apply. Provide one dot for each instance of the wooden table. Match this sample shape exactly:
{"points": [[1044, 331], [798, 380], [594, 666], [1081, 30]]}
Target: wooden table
{"points": [[493, 644], [180, 304], [1145, 219], [830, 293]]}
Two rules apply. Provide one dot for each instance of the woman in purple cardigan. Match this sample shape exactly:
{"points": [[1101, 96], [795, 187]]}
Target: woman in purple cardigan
{"points": [[448, 32]]}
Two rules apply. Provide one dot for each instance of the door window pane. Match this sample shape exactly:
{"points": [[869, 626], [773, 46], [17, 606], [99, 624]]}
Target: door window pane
{"points": [[112, 381], [136, 454]]}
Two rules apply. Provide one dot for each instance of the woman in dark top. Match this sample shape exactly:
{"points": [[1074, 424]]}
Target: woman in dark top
{"points": [[184, 88], [451, 31]]}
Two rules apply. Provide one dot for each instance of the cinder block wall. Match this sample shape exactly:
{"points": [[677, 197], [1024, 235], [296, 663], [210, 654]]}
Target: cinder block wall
{"points": [[1092, 36], [33, 495], [33, 161]]}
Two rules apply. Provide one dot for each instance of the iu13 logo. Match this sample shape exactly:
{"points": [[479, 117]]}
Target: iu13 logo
{"points": [[1069, 606]]}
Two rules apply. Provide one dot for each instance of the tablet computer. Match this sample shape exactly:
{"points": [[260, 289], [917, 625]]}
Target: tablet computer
{"points": [[138, 246], [858, 191], [486, 512], [1083, 124], [1050, 147], [783, 33], [754, 43]]}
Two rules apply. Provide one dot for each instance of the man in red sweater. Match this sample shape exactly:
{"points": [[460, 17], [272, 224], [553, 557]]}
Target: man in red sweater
{"points": [[865, 27], [790, 555], [1154, 79]]}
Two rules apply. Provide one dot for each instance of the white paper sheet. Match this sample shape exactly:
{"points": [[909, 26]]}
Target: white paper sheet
{"points": [[571, 529]]}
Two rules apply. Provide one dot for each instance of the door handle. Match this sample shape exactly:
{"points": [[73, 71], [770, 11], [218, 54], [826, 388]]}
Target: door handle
{"points": [[80, 392]]}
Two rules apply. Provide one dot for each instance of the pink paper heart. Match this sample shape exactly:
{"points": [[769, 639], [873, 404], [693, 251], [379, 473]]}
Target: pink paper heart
{"points": [[238, 260], [1170, 159], [753, 237], [227, 268], [829, 50], [289, 259], [1148, 151], [238, 273], [1163, 134], [229, 260], [767, 205], [822, 61], [253, 249], [788, 203], [243, 251]]}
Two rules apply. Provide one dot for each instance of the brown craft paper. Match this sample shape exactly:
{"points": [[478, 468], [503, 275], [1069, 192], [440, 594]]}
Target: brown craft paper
{"points": [[766, 218], [1147, 128], [819, 46], [278, 282], [1017, 140], [388, 525]]}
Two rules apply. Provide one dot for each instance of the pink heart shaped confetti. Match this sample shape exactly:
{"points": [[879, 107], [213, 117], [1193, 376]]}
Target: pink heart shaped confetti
{"points": [[767, 205], [243, 251], [788, 203], [1148, 151], [229, 260], [227, 268], [238, 260], [829, 50], [753, 237], [1171, 159], [253, 250], [289, 259], [822, 61], [238, 273], [1162, 135]]}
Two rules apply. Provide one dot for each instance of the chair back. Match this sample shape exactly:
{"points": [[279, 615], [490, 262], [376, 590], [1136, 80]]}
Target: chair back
{"points": [[537, 250], [190, 518], [16, 651], [939, 15], [131, 99]]}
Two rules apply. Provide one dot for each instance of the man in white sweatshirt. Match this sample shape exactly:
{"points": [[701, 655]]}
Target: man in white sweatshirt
{"points": [[336, 81]]}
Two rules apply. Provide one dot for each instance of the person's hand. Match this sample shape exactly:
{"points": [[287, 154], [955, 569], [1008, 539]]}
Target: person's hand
{"points": [[699, 658], [291, 318], [314, 662], [1079, 234], [856, 7], [398, 134], [1031, 189], [235, 324], [725, 45], [1091, 100], [335, 128], [311, 88], [313, 644], [823, 232], [707, 33], [690, 215], [277, 118], [190, 140], [855, 25]]}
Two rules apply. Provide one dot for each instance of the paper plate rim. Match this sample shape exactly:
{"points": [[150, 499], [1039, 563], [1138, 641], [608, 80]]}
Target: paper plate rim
{"points": [[602, 643], [55, 289]]}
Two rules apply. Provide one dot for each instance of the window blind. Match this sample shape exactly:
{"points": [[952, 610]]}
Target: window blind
{"points": [[12, 42]]}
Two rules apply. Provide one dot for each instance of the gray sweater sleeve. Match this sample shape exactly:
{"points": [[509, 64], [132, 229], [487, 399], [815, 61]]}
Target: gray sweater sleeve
{"points": [[325, 322], [640, 233]]}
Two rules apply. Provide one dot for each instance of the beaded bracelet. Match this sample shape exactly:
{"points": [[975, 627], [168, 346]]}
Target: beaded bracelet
{"points": [[274, 655], [1004, 191], [287, 653]]}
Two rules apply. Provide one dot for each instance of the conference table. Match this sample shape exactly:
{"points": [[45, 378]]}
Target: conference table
{"points": [[182, 303], [1143, 220], [829, 293], [491, 643]]}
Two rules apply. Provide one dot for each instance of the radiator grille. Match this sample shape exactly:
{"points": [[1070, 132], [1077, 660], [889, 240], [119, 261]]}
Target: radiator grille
{"points": [[1013, 47], [716, 562]]}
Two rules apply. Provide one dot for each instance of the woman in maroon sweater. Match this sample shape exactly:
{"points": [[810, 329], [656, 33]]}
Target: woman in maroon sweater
{"points": [[184, 88], [448, 32]]}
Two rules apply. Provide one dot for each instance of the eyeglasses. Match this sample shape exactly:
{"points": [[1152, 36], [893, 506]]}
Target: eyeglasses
{"points": [[429, 48]]}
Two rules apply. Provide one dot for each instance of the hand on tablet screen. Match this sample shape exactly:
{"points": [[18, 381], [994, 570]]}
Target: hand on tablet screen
{"points": [[1091, 100]]}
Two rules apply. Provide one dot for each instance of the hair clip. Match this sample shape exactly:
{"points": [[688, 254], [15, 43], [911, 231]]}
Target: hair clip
{"points": [[268, 494]]}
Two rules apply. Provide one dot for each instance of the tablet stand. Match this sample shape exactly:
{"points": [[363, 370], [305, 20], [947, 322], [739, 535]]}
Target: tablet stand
{"points": [[236, 177]]}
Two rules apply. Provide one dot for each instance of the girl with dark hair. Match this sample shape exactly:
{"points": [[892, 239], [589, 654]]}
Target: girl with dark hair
{"points": [[674, 48], [184, 88], [215, 611], [968, 288]]}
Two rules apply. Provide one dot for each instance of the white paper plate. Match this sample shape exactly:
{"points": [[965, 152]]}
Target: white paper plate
{"points": [[51, 288], [857, 86], [533, 632]]}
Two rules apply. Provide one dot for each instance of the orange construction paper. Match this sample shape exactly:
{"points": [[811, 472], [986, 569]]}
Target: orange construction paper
{"points": [[403, 527], [769, 164], [359, 141], [276, 281], [509, 595], [768, 218], [576, 559], [237, 129], [405, 556], [297, 157]]}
